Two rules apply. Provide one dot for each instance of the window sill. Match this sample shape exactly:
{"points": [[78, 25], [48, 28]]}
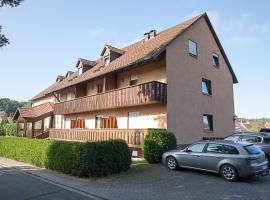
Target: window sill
{"points": [[194, 56], [205, 94], [207, 131]]}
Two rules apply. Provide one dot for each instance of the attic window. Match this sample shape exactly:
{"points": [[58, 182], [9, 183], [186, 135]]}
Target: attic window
{"points": [[192, 48], [106, 60], [80, 70], [215, 60]]}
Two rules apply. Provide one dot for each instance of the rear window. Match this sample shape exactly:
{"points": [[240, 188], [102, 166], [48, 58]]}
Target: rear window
{"points": [[252, 149]]}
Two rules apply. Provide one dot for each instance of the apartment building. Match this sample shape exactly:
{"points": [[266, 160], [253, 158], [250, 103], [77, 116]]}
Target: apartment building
{"points": [[178, 79]]}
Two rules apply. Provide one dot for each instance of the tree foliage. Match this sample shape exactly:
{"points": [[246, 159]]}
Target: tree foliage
{"points": [[10, 106], [13, 3]]}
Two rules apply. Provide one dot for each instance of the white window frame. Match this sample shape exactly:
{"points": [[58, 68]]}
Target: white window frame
{"points": [[191, 50]]}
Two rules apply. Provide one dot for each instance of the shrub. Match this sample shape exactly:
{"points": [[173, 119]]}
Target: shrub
{"points": [[7, 127], [76, 158], [156, 142]]}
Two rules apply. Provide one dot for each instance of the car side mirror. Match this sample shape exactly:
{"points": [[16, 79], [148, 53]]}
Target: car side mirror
{"points": [[188, 150]]}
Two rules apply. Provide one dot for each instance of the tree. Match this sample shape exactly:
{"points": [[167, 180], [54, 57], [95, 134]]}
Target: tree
{"points": [[13, 3]]}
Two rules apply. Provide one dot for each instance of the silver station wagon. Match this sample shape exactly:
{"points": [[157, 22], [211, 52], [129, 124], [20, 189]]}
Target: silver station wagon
{"points": [[231, 160]]}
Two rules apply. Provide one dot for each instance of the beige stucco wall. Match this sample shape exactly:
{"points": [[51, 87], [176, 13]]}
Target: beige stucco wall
{"points": [[49, 98], [186, 104], [155, 71], [92, 86], [150, 116]]}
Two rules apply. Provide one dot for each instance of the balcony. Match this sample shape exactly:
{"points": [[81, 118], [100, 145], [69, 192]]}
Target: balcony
{"points": [[133, 137], [146, 93]]}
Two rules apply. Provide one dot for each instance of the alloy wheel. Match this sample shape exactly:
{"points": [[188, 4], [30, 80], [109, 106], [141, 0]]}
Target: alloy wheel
{"points": [[172, 163], [229, 173]]}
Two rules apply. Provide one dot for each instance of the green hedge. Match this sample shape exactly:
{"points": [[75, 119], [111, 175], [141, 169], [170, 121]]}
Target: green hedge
{"points": [[156, 142], [81, 159]]}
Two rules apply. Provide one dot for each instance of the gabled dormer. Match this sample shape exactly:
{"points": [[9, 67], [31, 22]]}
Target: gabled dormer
{"points": [[68, 74], [110, 53], [83, 65], [59, 78]]}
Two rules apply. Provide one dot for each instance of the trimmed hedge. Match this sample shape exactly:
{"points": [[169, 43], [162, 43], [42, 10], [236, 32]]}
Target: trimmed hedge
{"points": [[80, 159], [156, 142]]}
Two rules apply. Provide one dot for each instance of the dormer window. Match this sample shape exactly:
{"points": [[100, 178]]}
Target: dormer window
{"points": [[83, 65], [80, 70], [106, 60], [110, 53]]}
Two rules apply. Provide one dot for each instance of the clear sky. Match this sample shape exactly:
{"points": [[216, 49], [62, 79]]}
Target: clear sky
{"points": [[47, 37]]}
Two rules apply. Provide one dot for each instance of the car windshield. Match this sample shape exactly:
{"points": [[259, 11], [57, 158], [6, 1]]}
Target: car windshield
{"points": [[252, 149]]}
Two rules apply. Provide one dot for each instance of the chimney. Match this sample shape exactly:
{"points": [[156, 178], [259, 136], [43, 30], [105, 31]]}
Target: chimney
{"points": [[146, 36], [152, 34]]}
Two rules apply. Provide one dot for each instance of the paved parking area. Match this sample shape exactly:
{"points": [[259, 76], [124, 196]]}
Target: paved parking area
{"points": [[157, 182], [149, 182]]}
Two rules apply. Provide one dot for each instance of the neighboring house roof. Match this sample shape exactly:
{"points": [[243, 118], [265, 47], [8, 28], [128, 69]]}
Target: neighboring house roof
{"points": [[35, 112], [136, 53]]}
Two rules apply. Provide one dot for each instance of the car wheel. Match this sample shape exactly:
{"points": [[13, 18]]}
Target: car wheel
{"points": [[268, 159], [171, 163], [229, 173]]}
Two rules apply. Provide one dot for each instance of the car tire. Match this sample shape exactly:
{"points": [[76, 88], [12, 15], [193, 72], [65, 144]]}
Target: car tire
{"points": [[171, 163], [229, 173], [268, 159]]}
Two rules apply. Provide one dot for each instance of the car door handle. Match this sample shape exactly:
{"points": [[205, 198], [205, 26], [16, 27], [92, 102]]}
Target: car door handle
{"points": [[218, 157]]}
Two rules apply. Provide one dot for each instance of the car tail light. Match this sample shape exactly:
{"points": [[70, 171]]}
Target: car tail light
{"points": [[251, 158]]}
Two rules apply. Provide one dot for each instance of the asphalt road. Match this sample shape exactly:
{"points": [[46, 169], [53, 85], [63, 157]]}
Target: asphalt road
{"points": [[19, 186]]}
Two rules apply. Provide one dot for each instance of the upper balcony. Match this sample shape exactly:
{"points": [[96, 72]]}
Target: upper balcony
{"points": [[146, 93]]}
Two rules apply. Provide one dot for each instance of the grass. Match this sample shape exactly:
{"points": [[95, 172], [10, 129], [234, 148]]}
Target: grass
{"points": [[138, 164]]}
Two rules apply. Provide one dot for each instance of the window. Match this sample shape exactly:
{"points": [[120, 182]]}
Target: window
{"points": [[252, 149], [133, 120], [197, 148], [208, 122], [106, 122], [78, 123], [251, 139], [206, 87], [230, 150], [99, 88], [80, 71], [98, 121], [234, 138], [192, 48], [214, 148], [67, 123], [215, 60], [106, 60], [133, 80]]}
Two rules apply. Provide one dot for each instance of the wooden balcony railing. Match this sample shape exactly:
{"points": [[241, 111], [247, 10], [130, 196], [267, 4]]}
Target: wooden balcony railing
{"points": [[133, 137], [146, 93]]}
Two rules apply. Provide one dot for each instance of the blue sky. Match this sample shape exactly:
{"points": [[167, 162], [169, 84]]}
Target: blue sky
{"points": [[48, 36]]}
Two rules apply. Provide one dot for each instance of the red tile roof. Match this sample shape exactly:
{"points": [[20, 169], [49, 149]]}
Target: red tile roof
{"points": [[132, 54], [34, 112]]}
